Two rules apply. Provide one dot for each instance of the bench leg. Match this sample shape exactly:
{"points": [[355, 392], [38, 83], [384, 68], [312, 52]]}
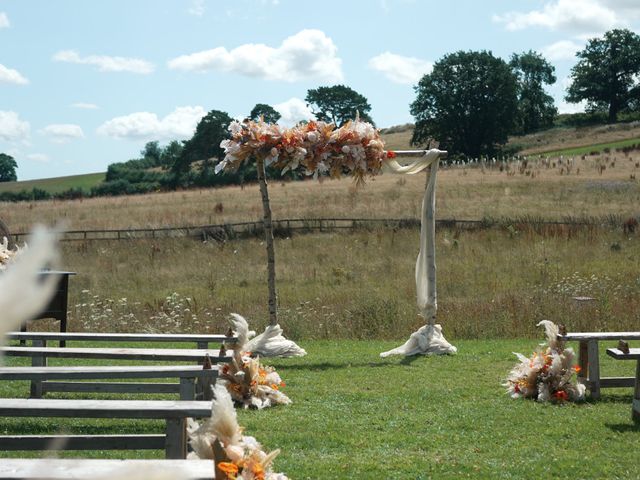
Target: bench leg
{"points": [[583, 361], [38, 361], [187, 388], [176, 439], [594, 369], [636, 397]]}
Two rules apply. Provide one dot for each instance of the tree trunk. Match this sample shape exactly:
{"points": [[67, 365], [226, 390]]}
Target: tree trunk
{"points": [[613, 112], [268, 236]]}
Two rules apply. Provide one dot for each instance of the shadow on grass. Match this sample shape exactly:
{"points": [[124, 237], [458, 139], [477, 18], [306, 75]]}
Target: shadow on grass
{"points": [[334, 366], [623, 427], [611, 399]]}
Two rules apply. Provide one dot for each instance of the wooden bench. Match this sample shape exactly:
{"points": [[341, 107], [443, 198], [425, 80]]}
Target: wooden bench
{"points": [[589, 361], [203, 341], [173, 441], [41, 379], [83, 468], [40, 355], [634, 354]]}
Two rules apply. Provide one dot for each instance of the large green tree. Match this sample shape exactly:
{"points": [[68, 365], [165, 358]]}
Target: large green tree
{"points": [[7, 168], [468, 103], [536, 108], [337, 104], [205, 143], [266, 112], [607, 73]]}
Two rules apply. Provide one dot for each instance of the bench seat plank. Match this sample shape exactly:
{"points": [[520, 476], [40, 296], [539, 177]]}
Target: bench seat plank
{"points": [[82, 442], [120, 337], [96, 372], [634, 354], [152, 354], [163, 409], [576, 336], [76, 468]]}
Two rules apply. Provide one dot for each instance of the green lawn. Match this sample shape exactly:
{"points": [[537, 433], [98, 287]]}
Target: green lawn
{"points": [[358, 416], [587, 149], [57, 184]]}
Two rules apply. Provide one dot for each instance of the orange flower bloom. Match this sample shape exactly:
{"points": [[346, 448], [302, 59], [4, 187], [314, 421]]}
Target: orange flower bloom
{"points": [[561, 396], [391, 154], [258, 471], [230, 469], [577, 368], [274, 386]]}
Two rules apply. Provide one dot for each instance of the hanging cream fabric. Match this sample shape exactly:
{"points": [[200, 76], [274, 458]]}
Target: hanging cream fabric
{"points": [[428, 339]]}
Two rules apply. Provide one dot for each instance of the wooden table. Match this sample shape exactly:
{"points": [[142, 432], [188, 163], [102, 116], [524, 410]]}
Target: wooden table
{"points": [[589, 361], [634, 354]]}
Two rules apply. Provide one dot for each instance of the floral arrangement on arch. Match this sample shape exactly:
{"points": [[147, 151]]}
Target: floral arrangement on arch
{"points": [[548, 374], [249, 382], [236, 457], [319, 148]]}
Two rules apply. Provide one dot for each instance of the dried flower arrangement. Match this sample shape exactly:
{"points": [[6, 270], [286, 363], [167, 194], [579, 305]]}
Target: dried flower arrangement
{"points": [[236, 457], [8, 255], [316, 147], [250, 383], [547, 375]]}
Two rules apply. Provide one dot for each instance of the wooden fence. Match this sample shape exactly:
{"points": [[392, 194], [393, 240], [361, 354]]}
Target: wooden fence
{"points": [[288, 227]]}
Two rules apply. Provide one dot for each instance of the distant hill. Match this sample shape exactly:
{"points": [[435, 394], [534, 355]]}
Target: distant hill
{"points": [[555, 141], [56, 184]]}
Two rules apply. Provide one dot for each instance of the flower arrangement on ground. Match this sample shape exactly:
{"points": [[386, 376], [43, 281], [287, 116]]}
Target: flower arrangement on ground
{"points": [[548, 374], [236, 457], [250, 383]]}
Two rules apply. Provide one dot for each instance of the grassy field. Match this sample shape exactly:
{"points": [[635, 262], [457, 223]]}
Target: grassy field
{"points": [[356, 416], [57, 184], [590, 149], [593, 186], [491, 283]]}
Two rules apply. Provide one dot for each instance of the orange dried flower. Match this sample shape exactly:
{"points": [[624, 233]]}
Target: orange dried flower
{"points": [[391, 154], [230, 469], [577, 368]]}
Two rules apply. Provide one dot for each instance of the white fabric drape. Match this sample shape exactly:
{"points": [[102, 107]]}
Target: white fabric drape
{"points": [[428, 339]]}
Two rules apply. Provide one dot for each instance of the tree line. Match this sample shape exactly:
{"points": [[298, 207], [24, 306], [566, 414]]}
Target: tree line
{"points": [[469, 104]]}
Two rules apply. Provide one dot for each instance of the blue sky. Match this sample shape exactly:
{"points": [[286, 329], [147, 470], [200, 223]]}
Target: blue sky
{"points": [[88, 83]]}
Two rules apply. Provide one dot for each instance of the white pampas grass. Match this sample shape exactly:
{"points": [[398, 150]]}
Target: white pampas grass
{"points": [[24, 293], [547, 375]]}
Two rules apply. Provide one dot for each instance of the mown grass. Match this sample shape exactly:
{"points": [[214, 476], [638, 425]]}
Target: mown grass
{"points": [[589, 149], [358, 416], [56, 184]]}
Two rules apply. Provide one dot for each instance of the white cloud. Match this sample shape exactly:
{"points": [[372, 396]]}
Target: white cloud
{"points": [[63, 132], [85, 106], [562, 50], [307, 54], [105, 63], [577, 15], [197, 8], [400, 69], [4, 20], [179, 124], [9, 75], [12, 128], [566, 107], [293, 111], [38, 157]]}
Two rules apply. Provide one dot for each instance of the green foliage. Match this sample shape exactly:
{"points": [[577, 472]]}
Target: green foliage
{"points": [[267, 112], [606, 75], [338, 104], [468, 103], [536, 109], [7, 168], [204, 145]]}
